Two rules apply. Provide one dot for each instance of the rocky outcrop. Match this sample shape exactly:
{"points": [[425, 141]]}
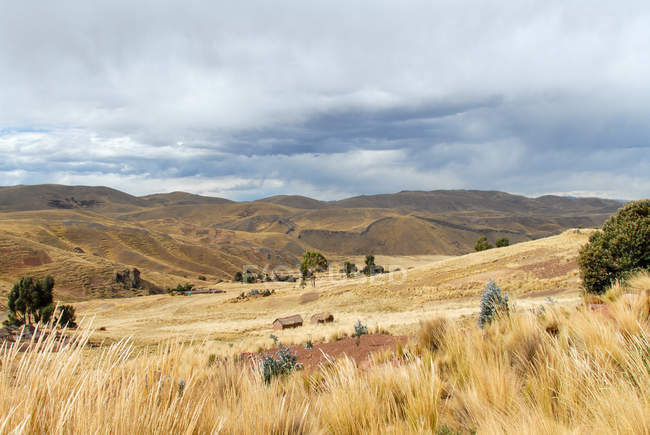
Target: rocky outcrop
{"points": [[128, 278], [128, 282]]}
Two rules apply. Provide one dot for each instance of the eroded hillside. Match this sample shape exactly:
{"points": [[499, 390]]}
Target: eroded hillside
{"points": [[82, 235]]}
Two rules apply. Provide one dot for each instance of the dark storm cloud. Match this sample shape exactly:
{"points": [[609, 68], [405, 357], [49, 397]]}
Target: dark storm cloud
{"points": [[327, 99]]}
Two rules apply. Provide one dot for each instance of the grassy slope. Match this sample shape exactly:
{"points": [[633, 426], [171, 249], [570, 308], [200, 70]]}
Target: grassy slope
{"points": [[565, 371], [174, 238], [397, 301]]}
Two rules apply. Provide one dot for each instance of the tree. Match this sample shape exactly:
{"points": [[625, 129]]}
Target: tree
{"points": [[312, 262], [238, 277], [249, 277], [349, 268], [621, 247], [65, 316], [370, 265], [482, 244], [502, 242], [30, 300]]}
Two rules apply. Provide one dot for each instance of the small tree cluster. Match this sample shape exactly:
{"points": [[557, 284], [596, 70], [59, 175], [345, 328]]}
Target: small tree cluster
{"points": [[180, 289], [371, 268], [280, 364], [622, 247], [502, 242], [493, 304], [482, 244], [370, 265], [30, 301]]}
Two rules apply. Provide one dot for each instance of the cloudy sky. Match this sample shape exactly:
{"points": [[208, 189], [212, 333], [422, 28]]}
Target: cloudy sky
{"points": [[327, 99]]}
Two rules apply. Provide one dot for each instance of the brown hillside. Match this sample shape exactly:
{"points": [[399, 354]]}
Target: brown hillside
{"points": [[173, 238]]}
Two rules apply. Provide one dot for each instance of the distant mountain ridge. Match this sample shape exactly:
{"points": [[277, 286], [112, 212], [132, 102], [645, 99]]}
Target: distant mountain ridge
{"points": [[45, 196], [82, 234]]}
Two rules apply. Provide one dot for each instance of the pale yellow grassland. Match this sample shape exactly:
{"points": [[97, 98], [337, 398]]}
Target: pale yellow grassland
{"points": [[567, 371], [397, 301]]}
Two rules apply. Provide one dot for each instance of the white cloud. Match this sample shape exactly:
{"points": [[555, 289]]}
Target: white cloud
{"points": [[327, 99]]}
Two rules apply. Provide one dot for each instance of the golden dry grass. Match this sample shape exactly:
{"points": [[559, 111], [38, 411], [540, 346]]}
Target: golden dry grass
{"points": [[425, 287], [563, 371]]}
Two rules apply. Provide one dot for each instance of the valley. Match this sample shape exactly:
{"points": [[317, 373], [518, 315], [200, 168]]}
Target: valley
{"points": [[83, 235]]}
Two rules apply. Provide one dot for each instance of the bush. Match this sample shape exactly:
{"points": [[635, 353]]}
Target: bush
{"points": [[238, 277], [622, 247], [492, 304], [181, 289], [502, 242], [432, 333], [202, 278], [283, 363], [66, 316], [482, 244], [359, 329]]}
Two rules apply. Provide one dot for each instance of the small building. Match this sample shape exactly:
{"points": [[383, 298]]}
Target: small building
{"points": [[288, 322], [322, 318]]}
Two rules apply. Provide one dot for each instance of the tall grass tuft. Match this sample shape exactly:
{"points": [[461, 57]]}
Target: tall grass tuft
{"points": [[590, 375]]}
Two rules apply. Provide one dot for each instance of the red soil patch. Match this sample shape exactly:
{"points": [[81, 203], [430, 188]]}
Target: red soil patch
{"points": [[312, 358], [37, 258], [551, 268]]}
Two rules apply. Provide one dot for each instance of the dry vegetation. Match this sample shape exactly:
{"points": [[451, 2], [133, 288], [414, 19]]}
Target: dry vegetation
{"points": [[562, 371], [425, 287], [81, 235], [568, 367]]}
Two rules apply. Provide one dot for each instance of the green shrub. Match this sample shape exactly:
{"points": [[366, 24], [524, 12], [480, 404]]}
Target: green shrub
{"points": [[283, 363], [502, 242], [202, 278], [620, 248], [238, 277], [65, 316], [181, 289], [482, 244], [492, 304]]}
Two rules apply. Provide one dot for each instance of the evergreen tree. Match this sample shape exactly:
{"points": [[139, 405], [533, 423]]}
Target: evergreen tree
{"points": [[30, 301]]}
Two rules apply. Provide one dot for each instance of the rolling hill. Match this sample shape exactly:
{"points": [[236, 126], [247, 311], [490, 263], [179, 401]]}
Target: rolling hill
{"points": [[82, 235]]}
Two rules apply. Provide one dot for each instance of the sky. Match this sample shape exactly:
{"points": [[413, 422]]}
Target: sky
{"points": [[327, 99]]}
